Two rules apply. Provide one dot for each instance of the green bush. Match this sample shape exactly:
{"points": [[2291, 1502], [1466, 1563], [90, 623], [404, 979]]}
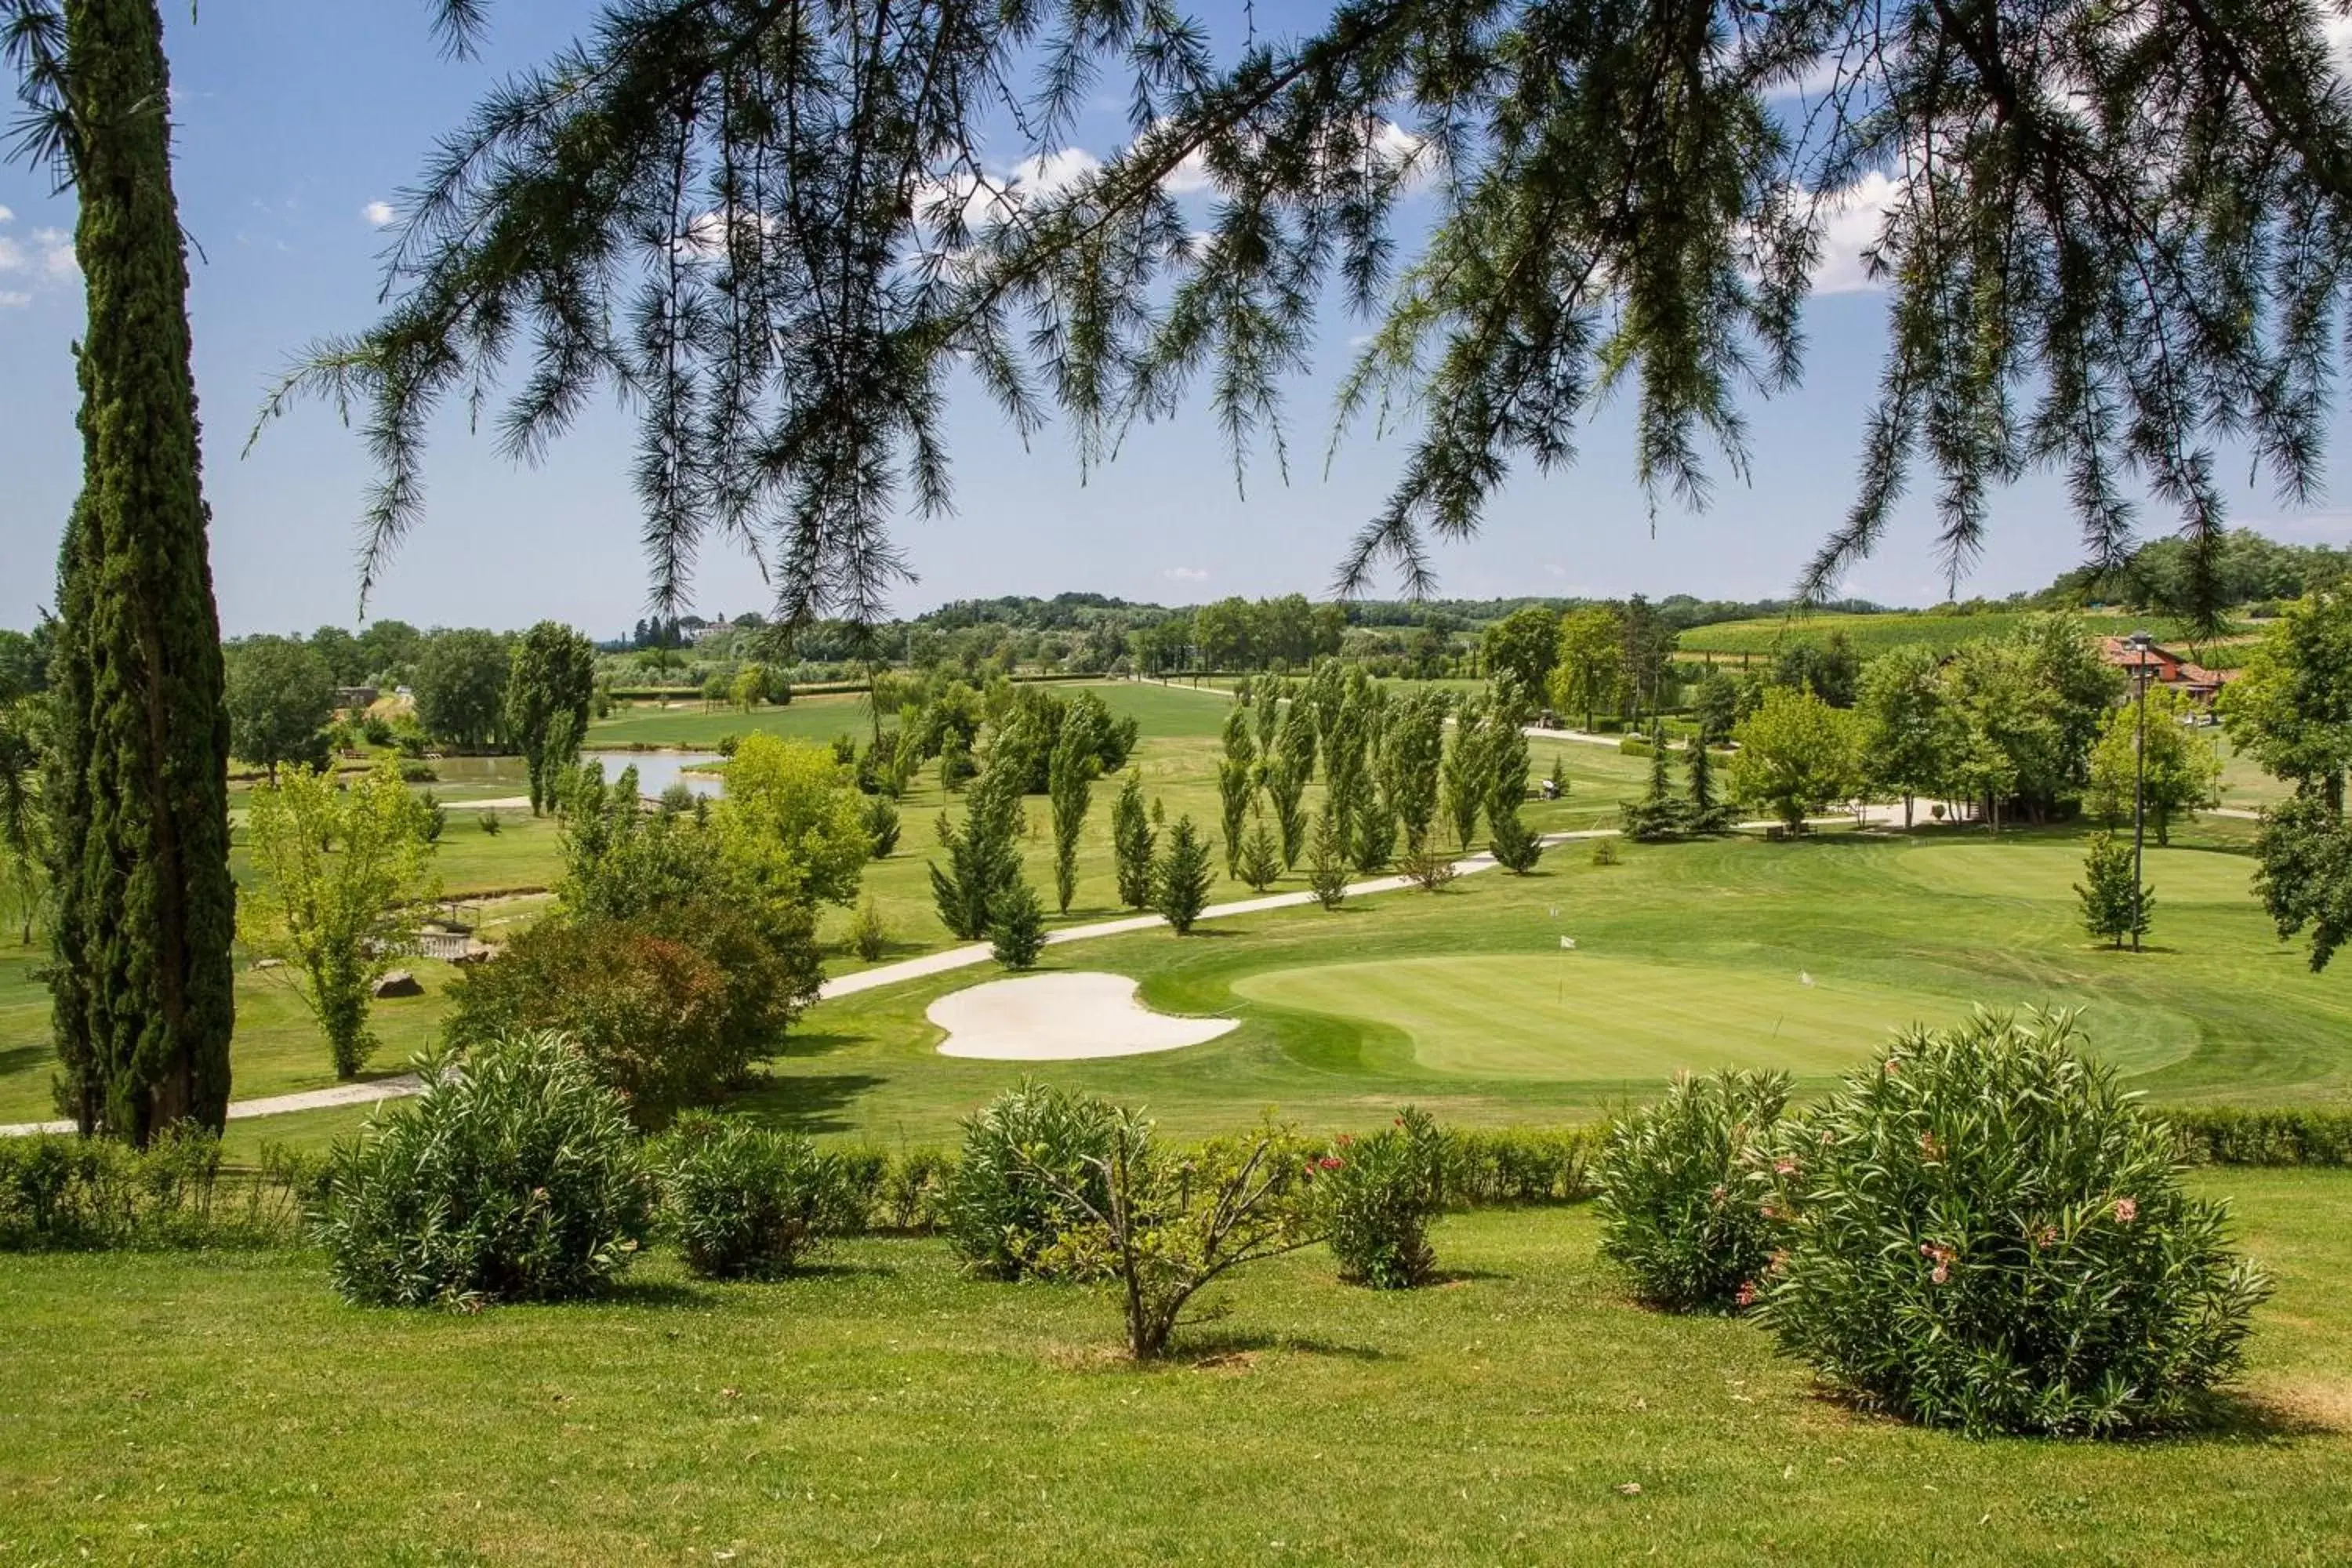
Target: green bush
{"points": [[1678, 1208], [61, 1190], [1483, 1167], [514, 1176], [1378, 1196], [1018, 933], [2223, 1135], [1982, 1231], [912, 1193], [751, 1202], [1001, 1211], [1633, 746]]}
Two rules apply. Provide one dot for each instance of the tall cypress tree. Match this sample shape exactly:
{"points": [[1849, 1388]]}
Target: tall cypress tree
{"points": [[141, 999]]}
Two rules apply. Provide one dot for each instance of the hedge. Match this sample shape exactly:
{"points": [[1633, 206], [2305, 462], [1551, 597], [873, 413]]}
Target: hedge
{"points": [[2225, 1135]]}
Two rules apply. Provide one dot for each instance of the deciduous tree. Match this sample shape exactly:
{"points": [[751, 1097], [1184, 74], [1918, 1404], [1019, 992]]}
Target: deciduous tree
{"points": [[549, 686], [281, 697], [1796, 755]]}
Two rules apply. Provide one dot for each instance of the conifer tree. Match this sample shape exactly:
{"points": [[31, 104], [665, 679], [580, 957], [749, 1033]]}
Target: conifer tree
{"points": [[1327, 859], [141, 989], [2114, 905], [1261, 856], [1132, 840], [984, 856], [1707, 813], [1179, 883], [1660, 812]]}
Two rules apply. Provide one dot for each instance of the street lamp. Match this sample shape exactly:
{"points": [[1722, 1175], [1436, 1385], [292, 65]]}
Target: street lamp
{"points": [[2140, 644]]}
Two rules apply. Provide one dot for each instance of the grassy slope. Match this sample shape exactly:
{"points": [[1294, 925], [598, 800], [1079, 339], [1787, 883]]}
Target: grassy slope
{"points": [[887, 1411]]}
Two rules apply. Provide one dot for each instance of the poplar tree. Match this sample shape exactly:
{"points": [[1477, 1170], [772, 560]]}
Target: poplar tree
{"points": [[1131, 839], [1070, 786], [138, 783], [549, 687]]}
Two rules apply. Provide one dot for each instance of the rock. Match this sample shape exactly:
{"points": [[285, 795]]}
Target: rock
{"points": [[269, 963], [399, 983]]}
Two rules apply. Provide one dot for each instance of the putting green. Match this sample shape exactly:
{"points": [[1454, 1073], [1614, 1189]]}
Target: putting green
{"points": [[1582, 1016]]}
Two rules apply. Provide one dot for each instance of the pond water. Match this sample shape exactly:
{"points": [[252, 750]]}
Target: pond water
{"points": [[656, 771]]}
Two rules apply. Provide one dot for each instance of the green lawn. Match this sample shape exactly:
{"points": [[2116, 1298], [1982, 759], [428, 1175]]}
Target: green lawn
{"points": [[883, 1409]]}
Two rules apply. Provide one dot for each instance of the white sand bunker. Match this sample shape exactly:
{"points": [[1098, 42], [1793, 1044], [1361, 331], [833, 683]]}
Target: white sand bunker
{"points": [[1061, 1018]]}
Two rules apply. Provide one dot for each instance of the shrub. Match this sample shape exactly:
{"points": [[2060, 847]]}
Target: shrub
{"points": [[489, 823], [1428, 869], [514, 1176], [1001, 1209], [1164, 1225], [1018, 935], [912, 1193], [869, 935], [1520, 1165], [416, 770], [2226, 1136], [1677, 1207], [1515, 846], [669, 1008], [751, 1202], [1604, 852], [1983, 1232], [63, 1190], [882, 823], [1378, 1199], [1633, 746]]}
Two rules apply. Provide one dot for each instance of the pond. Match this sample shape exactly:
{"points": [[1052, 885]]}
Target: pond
{"points": [[656, 771]]}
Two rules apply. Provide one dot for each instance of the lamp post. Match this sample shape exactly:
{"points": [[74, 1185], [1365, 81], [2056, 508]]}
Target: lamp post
{"points": [[2140, 644]]}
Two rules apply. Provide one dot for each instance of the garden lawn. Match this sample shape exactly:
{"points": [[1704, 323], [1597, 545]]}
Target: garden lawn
{"points": [[1874, 635], [883, 1410]]}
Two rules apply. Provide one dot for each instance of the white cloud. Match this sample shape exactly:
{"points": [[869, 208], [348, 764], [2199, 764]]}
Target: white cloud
{"points": [[1186, 573], [57, 261], [12, 256], [13, 299], [6, 215], [1850, 226], [379, 215]]}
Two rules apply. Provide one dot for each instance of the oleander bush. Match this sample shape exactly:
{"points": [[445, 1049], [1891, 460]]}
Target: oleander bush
{"points": [[1379, 1196], [753, 1203], [1025, 1153], [1679, 1206], [515, 1175], [1980, 1230], [61, 1192]]}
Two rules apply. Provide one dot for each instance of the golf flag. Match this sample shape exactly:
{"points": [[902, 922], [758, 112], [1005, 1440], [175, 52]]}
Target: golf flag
{"points": [[1568, 944]]}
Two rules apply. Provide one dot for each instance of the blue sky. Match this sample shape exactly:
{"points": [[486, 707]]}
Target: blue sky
{"points": [[291, 126]]}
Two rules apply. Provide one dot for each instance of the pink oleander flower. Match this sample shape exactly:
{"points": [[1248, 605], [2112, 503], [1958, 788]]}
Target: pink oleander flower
{"points": [[1940, 1273], [2127, 1210], [1893, 1067], [1780, 1260], [1747, 1297], [1330, 1162], [1785, 1168], [2046, 1237], [1718, 1196]]}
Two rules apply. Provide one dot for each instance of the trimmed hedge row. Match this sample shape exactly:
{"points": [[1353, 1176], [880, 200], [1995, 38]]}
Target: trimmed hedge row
{"points": [[65, 1193], [2225, 1135]]}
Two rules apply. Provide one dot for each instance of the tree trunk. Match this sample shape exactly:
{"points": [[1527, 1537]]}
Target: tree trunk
{"points": [[142, 999]]}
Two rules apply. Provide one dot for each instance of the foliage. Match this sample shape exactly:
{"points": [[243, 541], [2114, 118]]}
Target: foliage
{"points": [[2291, 708], [2304, 874], [1070, 784], [1516, 846], [64, 1192], [24, 822], [2286, 1135], [549, 686], [1016, 933], [1412, 754], [281, 697], [1428, 869], [1180, 881], [513, 1176], [1132, 840], [1796, 755], [1379, 1198], [1982, 1231], [1906, 730], [1025, 1164], [1162, 1225], [1465, 778], [461, 688], [792, 824], [881, 820], [137, 777], [1482, 1167], [345, 873], [869, 935], [748, 1202], [1326, 862], [668, 1006], [1660, 814], [1707, 812], [983, 858], [1589, 677], [2115, 905], [1235, 785], [1525, 644], [1261, 856], [1679, 1210]]}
